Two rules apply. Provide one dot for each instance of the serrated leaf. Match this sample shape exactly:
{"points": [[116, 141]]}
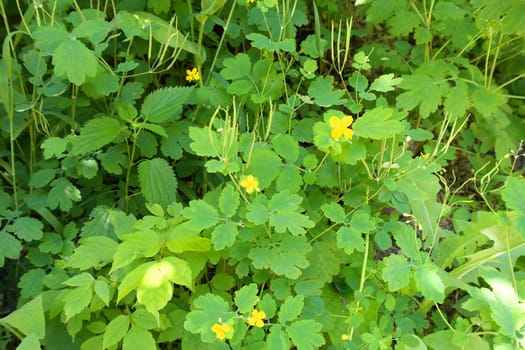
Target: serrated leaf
{"points": [[113, 160], [334, 212], [429, 283], [87, 168], [31, 283], [377, 124], [93, 252], [287, 147], [264, 165], [323, 93], [224, 235], [246, 298], [47, 38], [138, 338], [54, 147], [132, 280], [74, 61], [204, 142], [396, 272], [27, 228], [229, 201], [164, 104], [208, 309], [457, 100], [291, 308], [101, 289], [306, 334], [385, 83], [115, 330], [10, 247], [62, 194], [77, 300], [202, 214], [513, 192], [158, 182], [28, 319], [96, 134], [238, 67], [350, 240]]}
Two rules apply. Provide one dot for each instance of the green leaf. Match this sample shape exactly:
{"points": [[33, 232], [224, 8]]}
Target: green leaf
{"points": [[42, 177], [63, 193], [377, 124], [164, 104], [132, 280], [54, 147], [31, 283], [95, 30], [486, 101], [159, 6], [264, 165], [229, 201], [77, 300], [291, 308], [350, 240], [285, 259], [204, 141], [101, 289], [102, 84], [144, 243], [138, 338], [322, 92], [287, 147], [208, 309], [96, 251], [334, 212], [277, 339], [96, 134], [421, 90], [158, 182], [28, 319], [246, 298], [114, 160], [429, 283], [115, 330], [26, 228], [457, 101], [155, 289], [236, 68], [306, 334], [396, 272], [47, 38], [10, 247], [290, 178], [29, 343], [513, 192], [201, 214], [82, 280], [285, 213], [385, 83], [74, 61], [224, 235], [87, 168], [182, 238]]}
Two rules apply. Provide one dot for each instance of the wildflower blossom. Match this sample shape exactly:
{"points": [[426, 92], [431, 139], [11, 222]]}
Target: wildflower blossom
{"points": [[341, 127], [257, 318], [250, 1], [344, 337], [220, 330], [250, 184], [192, 75]]}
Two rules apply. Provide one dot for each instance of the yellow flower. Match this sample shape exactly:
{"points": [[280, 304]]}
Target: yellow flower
{"points": [[344, 337], [250, 184], [250, 1], [220, 330], [257, 318], [341, 127], [192, 75]]}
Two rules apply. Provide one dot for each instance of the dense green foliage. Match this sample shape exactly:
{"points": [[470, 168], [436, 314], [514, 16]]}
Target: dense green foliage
{"points": [[262, 174]]}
